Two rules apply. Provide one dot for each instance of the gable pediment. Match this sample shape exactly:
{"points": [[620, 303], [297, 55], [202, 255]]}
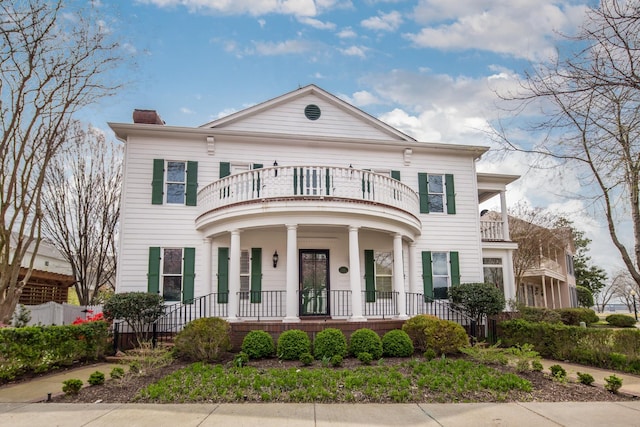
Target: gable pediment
{"points": [[309, 111]]}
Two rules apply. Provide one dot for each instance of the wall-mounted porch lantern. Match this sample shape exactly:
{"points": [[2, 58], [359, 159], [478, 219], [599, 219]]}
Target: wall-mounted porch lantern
{"points": [[275, 259]]}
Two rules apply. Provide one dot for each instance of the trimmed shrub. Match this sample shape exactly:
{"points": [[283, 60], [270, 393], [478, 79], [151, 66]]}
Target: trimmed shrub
{"points": [[71, 386], [329, 342], [96, 378], [538, 314], [536, 365], [365, 340], [613, 383], [585, 378], [241, 359], [138, 309], [573, 316], [203, 340], [558, 372], [258, 344], [397, 343], [620, 320], [365, 357], [477, 300], [117, 373], [430, 354], [292, 344], [306, 359], [336, 360], [429, 332]]}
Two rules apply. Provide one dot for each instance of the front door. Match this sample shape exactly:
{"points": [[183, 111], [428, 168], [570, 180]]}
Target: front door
{"points": [[314, 282]]}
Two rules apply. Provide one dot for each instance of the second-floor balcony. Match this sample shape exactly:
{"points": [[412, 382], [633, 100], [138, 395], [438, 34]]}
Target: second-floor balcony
{"points": [[292, 187]]}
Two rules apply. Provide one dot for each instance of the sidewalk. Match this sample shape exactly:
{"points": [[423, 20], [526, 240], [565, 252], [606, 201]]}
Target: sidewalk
{"points": [[37, 389]]}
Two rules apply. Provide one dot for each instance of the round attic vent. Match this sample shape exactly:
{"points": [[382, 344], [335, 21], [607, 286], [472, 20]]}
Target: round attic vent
{"points": [[312, 112]]}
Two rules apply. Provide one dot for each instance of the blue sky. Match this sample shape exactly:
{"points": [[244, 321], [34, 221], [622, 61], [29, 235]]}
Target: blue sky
{"points": [[427, 67]]}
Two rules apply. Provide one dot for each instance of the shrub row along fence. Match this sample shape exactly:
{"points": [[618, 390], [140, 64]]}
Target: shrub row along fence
{"points": [[601, 347], [35, 349]]}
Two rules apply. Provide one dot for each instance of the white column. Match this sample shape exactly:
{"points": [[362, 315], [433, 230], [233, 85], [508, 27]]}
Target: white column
{"points": [[292, 274], [559, 294], [510, 285], [398, 276], [208, 279], [234, 276], [505, 216], [544, 292], [553, 296], [354, 276]]}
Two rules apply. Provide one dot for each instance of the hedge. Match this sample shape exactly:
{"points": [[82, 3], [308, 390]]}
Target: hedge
{"points": [[36, 349], [588, 346]]}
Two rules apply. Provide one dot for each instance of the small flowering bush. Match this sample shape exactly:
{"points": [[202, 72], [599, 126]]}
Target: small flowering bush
{"points": [[96, 318]]}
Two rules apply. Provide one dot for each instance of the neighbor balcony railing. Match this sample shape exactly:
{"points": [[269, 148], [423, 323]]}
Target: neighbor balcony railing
{"points": [[491, 231], [308, 181]]}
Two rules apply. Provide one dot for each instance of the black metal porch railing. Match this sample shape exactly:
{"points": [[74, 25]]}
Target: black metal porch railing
{"points": [[262, 304], [341, 303], [380, 304]]}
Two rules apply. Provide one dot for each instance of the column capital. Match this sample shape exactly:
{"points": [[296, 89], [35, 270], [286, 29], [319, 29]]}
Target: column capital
{"points": [[235, 232], [353, 228], [291, 226]]}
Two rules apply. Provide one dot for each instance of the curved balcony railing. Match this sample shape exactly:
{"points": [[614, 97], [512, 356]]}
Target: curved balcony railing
{"points": [[305, 182]]}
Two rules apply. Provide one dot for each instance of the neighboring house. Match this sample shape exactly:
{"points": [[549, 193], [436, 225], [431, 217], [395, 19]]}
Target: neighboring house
{"points": [[304, 207], [549, 277], [50, 278]]}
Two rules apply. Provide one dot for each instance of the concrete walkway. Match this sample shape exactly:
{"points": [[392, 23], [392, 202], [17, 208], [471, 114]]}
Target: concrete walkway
{"points": [[19, 406]]}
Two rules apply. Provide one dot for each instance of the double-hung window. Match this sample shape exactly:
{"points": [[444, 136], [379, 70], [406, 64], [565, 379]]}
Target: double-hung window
{"points": [[440, 270], [174, 182], [493, 272], [437, 193], [171, 273], [384, 273]]}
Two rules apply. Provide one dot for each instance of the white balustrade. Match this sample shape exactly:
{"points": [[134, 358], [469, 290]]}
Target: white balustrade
{"points": [[491, 230], [308, 182]]}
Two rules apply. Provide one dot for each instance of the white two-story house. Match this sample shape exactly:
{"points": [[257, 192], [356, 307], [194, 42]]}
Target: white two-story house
{"points": [[304, 207]]}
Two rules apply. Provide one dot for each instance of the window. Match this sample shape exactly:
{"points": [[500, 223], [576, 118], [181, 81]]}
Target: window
{"points": [[439, 271], [437, 193], [384, 273], [493, 272], [174, 182], [171, 273], [250, 275], [570, 267]]}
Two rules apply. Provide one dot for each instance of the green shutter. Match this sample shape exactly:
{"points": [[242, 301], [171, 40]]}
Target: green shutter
{"points": [[427, 276], [451, 194], [295, 181], [455, 268], [223, 275], [256, 275], [423, 191], [369, 276], [256, 186], [153, 276], [395, 175], [257, 166], [157, 182], [225, 169], [192, 184], [327, 181], [189, 274]]}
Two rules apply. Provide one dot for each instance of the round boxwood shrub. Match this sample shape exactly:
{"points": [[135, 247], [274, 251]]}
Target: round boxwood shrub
{"points": [[620, 320], [329, 342], [397, 343], [96, 378], [203, 340], [429, 332], [258, 344], [292, 344], [365, 341]]}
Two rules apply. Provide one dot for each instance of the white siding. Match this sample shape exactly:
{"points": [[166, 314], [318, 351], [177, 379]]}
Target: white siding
{"points": [[289, 118]]}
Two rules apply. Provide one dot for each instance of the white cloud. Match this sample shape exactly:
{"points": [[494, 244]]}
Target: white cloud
{"points": [[361, 98], [383, 22], [250, 7], [524, 28], [359, 51], [346, 33], [286, 47], [129, 48], [185, 110], [262, 23], [315, 23]]}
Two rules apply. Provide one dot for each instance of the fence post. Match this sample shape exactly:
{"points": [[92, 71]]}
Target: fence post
{"points": [[116, 337], [154, 337]]}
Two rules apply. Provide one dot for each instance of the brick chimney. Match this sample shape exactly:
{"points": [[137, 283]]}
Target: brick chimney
{"points": [[147, 117]]}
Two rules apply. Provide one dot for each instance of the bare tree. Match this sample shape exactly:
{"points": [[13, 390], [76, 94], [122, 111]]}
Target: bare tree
{"points": [[531, 228], [623, 285], [604, 296], [82, 208], [590, 118], [54, 59]]}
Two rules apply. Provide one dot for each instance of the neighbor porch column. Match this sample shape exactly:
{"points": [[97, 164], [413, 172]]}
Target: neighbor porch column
{"points": [[354, 276], [292, 274], [398, 276], [505, 216], [559, 294], [544, 292], [553, 295], [510, 285], [234, 276]]}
